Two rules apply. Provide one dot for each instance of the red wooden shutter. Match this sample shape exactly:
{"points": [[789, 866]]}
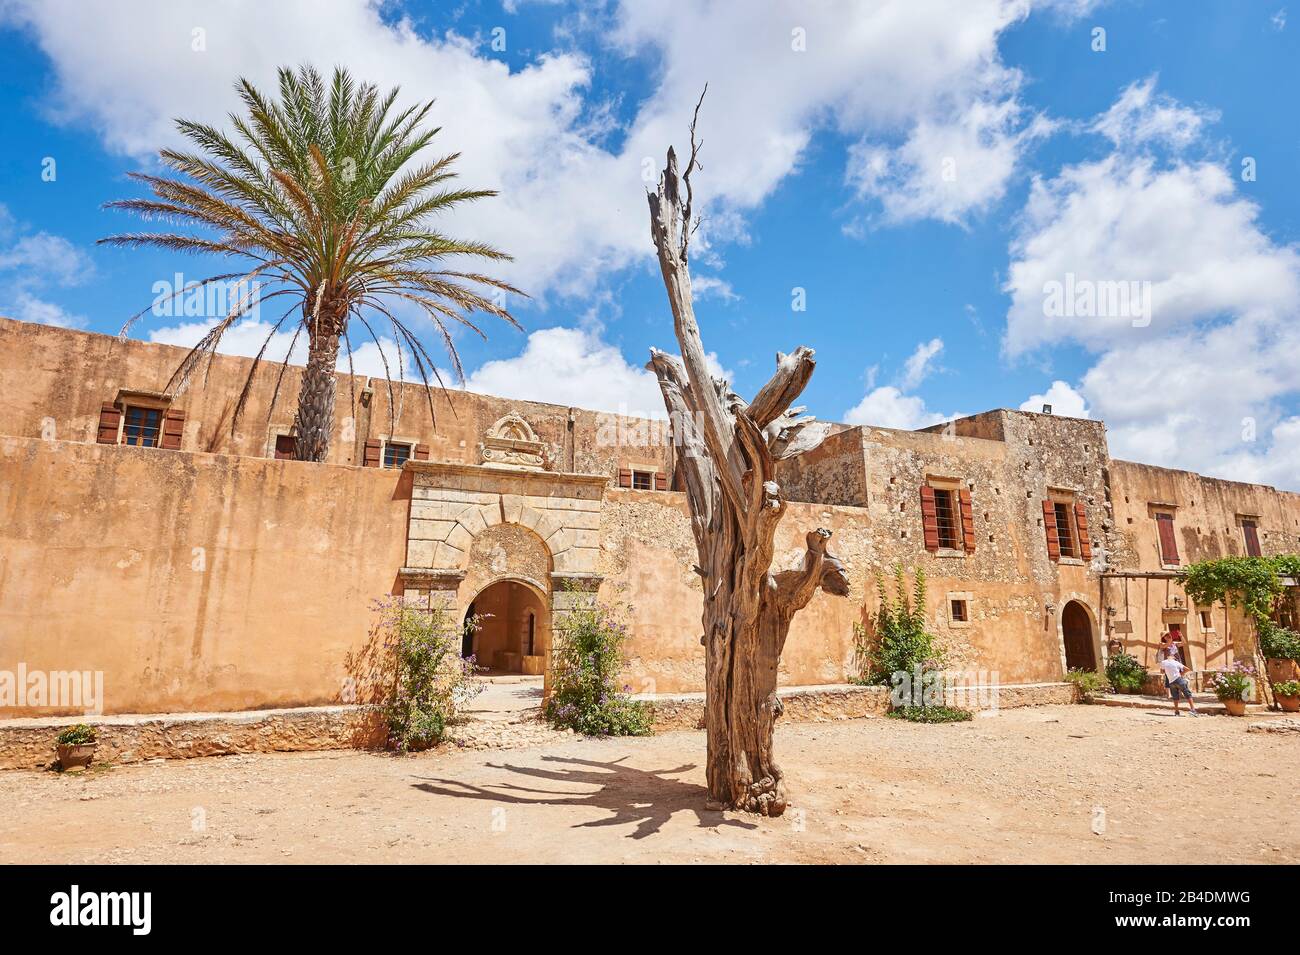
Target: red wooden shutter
{"points": [[624, 477], [929, 518], [1168, 543], [1081, 522], [173, 429], [371, 459], [967, 522], [661, 481], [1049, 526], [1252, 538], [110, 417], [421, 452]]}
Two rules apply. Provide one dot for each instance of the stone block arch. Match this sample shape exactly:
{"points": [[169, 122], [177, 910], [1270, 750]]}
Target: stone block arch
{"points": [[1074, 611]]}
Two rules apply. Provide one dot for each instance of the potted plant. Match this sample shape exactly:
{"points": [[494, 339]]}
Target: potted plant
{"points": [[1288, 695], [76, 746], [1232, 687], [1281, 648], [1125, 673]]}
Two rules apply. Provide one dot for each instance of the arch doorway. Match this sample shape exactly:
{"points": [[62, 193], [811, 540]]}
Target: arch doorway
{"points": [[1076, 632], [513, 631]]}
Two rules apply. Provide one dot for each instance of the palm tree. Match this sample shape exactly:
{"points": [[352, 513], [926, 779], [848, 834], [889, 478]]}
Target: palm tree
{"points": [[315, 200]]}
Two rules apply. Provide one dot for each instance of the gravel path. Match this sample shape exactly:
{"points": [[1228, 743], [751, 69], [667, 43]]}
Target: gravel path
{"points": [[1025, 785]]}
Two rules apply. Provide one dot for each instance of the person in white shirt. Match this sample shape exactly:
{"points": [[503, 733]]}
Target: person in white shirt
{"points": [[1176, 681]]}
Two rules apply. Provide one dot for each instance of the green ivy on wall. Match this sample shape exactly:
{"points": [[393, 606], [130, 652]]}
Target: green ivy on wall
{"points": [[1252, 583]]}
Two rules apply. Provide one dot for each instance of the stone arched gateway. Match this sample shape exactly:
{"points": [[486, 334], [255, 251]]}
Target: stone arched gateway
{"points": [[1079, 635], [473, 525]]}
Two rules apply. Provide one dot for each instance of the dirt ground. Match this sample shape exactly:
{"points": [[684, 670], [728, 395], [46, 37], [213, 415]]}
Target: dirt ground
{"points": [[1024, 785]]}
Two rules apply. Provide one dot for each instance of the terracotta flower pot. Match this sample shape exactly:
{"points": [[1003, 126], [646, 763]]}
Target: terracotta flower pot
{"points": [[1289, 703], [1235, 707], [75, 756]]}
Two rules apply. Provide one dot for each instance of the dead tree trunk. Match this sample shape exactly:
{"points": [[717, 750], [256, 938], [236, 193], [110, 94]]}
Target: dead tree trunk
{"points": [[729, 451]]}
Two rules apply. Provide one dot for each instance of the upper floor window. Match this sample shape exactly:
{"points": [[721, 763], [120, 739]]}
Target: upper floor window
{"points": [[142, 427], [141, 419], [1065, 523], [396, 454], [947, 520], [1250, 531], [1168, 540], [642, 479]]}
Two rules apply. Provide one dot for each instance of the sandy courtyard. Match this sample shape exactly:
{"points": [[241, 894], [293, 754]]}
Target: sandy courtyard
{"points": [[1022, 786]]}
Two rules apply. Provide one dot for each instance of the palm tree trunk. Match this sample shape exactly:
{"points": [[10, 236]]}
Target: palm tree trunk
{"points": [[316, 399]]}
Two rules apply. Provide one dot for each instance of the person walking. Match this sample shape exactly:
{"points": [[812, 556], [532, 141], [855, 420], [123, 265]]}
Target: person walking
{"points": [[1176, 680]]}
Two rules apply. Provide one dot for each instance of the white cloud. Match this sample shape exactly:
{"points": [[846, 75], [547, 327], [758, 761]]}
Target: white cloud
{"points": [[31, 262], [1204, 384], [28, 308], [247, 337], [570, 208], [1142, 117], [577, 368], [890, 406], [1279, 20], [1065, 401], [918, 365]]}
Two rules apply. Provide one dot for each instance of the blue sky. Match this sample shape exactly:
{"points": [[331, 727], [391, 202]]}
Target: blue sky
{"points": [[922, 171]]}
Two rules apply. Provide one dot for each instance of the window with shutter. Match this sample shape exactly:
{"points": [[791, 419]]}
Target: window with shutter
{"points": [[643, 480], [286, 447], [1250, 530], [1168, 542], [371, 455], [1064, 530]]}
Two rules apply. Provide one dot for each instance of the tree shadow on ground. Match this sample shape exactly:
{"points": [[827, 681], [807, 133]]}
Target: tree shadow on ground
{"points": [[644, 797]]}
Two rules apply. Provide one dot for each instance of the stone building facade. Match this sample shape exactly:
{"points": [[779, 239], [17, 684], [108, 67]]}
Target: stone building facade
{"points": [[198, 567]]}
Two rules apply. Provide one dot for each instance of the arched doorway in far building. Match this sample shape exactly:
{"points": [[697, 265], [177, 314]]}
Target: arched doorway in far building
{"points": [[1076, 633], [514, 628]]}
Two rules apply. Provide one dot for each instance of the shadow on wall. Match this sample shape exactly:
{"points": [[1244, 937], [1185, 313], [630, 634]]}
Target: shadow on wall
{"points": [[641, 797]]}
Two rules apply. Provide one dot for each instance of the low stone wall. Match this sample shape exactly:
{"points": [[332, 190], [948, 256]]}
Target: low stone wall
{"points": [[844, 701], [29, 743]]}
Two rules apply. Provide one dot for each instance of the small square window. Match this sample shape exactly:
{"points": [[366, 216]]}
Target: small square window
{"points": [[1206, 622], [395, 454], [643, 481], [1064, 528], [286, 447], [142, 426], [959, 611]]}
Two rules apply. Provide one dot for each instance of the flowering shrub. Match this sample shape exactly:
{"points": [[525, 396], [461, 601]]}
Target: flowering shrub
{"points": [[432, 680], [1234, 684], [585, 662], [1277, 642], [1125, 672]]}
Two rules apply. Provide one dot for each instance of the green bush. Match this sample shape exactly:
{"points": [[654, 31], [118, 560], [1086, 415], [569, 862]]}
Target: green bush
{"points": [[1090, 683], [902, 643], [1287, 688], [1278, 643], [586, 660], [432, 682], [931, 714], [1125, 672], [79, 735]]}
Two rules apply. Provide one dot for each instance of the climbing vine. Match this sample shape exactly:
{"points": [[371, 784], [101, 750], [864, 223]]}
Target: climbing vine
{"points": [[1251, 583]]}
